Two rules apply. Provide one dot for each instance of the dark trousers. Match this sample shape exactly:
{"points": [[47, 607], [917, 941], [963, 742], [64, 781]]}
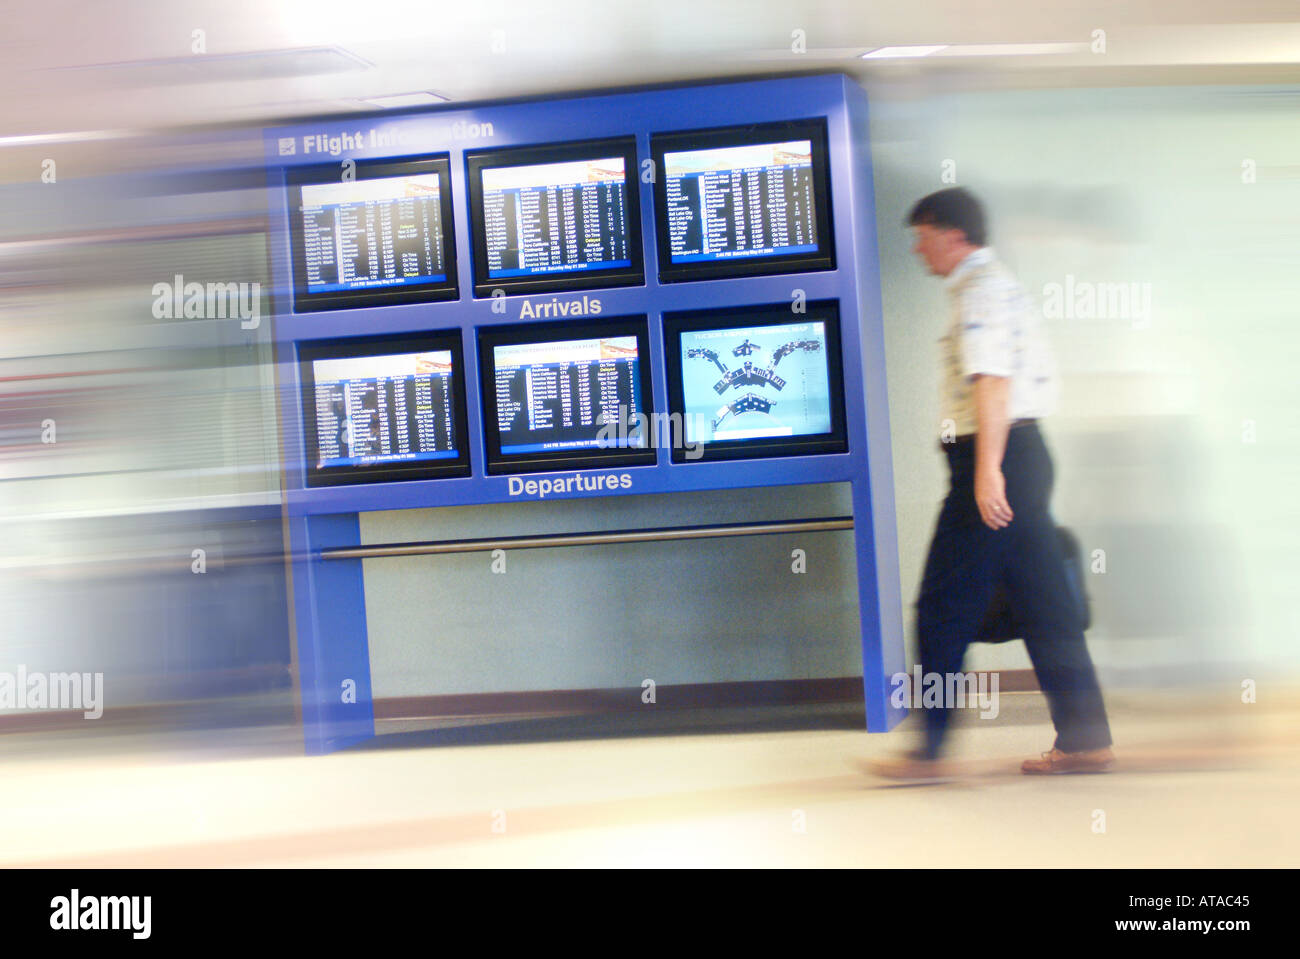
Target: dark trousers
{"points": [[968, 560]]}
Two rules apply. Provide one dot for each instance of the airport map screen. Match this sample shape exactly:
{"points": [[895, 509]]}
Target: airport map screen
{"points": [[386, 409], [551, 218], [756, 383], [755, 200], [560, 395], [365, 234]]}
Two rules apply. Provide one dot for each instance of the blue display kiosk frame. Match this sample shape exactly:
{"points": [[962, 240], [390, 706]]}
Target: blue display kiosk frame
{"points": [[333, 661]]}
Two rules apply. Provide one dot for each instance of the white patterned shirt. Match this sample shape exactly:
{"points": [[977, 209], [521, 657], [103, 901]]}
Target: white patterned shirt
{"points": [[995, 330]]}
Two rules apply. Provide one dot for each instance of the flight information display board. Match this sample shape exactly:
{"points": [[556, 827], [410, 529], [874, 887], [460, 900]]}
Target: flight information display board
{"points": [[566, 397], [382, 234], [554, 218], [761, 381], [739, 202], [771, 180], [384, 409]]}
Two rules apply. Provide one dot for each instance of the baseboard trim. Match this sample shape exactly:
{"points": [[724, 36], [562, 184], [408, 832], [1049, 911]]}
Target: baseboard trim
{"points": [[557, 702], [776, 692]]}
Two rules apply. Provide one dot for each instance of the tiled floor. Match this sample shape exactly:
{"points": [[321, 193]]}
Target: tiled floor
{"points": [[1203, 780]]}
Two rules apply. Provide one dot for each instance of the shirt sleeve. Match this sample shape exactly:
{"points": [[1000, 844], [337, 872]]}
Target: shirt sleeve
{"points": [[986, 330]]}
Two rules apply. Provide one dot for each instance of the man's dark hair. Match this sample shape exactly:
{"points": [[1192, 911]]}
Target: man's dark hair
{"points": [[954, 209]]}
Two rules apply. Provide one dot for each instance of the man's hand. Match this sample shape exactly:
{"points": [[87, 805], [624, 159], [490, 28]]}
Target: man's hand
{"points": [[991, 394], [991, 498]]}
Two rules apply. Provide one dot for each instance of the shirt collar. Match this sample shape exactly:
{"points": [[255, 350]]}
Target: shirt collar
{"points": [[976, 258]]}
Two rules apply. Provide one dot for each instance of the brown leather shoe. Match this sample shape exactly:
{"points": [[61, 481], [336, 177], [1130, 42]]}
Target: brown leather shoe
{"points": [[910, 768], [1057, 762]]}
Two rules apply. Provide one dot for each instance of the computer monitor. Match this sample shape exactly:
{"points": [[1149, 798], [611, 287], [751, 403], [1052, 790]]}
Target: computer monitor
{"points": [[566, 396], [384, 408], [555, 218], [743, 201], [756, 381], [375, 233]]}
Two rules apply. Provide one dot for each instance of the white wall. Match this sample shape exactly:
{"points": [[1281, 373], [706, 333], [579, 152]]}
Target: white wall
{"points": [[1178, 442]]}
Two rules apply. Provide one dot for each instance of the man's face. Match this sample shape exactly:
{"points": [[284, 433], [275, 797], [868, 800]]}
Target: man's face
{"points": [[938, 248]]}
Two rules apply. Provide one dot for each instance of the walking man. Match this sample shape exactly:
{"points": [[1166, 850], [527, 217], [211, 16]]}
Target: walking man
{"points": [[994, 527]]}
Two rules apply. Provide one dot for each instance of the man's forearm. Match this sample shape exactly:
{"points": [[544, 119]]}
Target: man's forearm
{"points": [[991, 401]]}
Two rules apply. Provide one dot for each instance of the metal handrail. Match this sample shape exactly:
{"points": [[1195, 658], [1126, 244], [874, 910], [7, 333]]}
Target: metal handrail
{"points": [[546, 540]]}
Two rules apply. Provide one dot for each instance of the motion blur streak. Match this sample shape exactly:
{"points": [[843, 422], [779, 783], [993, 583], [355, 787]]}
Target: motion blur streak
{"points": [[1143, 185]]}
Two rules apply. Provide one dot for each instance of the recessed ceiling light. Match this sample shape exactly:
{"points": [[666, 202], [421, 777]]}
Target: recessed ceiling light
{"points": [[889, 53], [420, 99]]}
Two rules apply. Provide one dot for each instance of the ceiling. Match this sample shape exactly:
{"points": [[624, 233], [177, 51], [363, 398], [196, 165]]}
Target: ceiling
{"points": [[85, 76]]}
